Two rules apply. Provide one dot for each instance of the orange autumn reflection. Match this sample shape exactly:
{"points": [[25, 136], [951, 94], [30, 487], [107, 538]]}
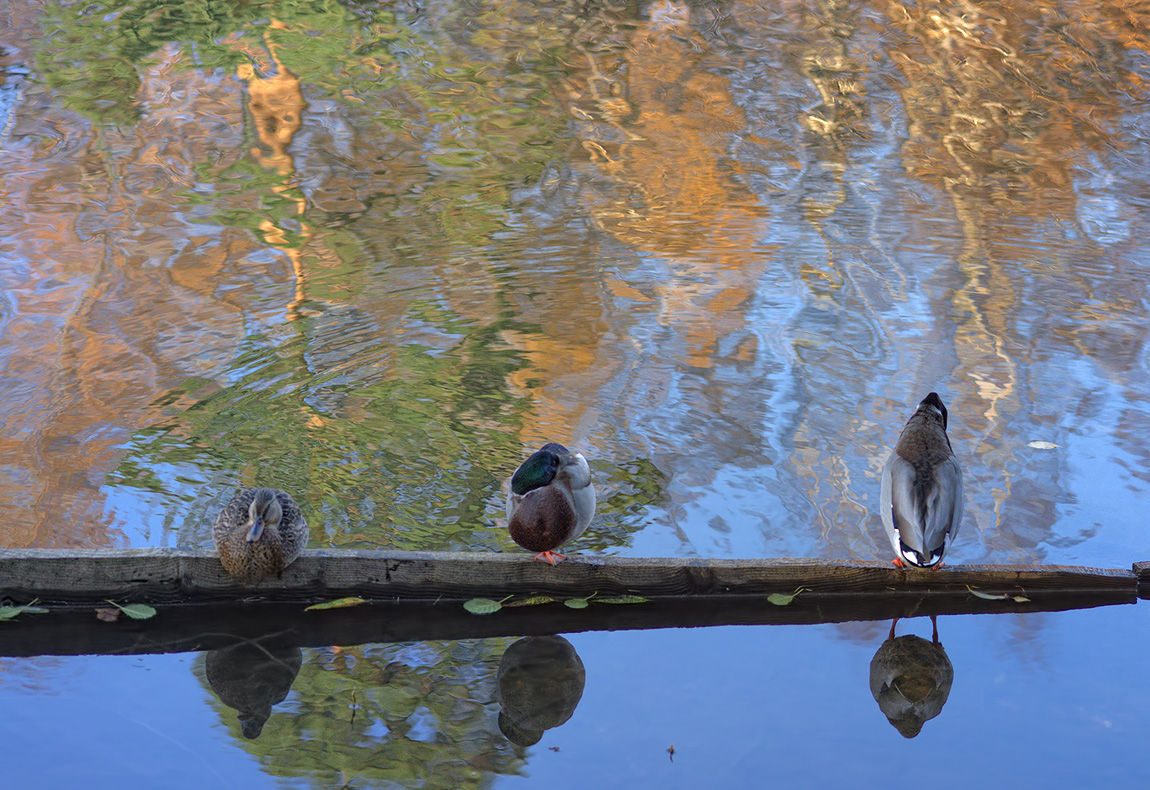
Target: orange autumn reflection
{"points": [[380, 253]]}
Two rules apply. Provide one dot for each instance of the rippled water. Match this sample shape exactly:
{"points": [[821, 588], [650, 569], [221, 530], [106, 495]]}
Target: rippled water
{"points": [[374, 253]]}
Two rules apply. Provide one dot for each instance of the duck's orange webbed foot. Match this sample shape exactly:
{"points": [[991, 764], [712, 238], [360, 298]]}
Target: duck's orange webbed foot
{"points": [[898, 563], [551, 557]]}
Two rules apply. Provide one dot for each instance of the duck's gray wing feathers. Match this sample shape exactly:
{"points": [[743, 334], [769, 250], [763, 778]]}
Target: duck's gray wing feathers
{"points": [[584, 501], [575, 475], [897, 480], [924, 515], [885, 507], [944, 516]]}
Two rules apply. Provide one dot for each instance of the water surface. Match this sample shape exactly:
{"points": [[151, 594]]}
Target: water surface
{"points": [[375, 253]]}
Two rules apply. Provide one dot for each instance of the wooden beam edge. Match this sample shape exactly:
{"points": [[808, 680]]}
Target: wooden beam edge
{"points": [[175, 575]]}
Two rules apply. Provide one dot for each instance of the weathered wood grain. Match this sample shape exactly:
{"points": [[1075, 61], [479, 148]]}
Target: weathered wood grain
{"points": [[75, 630], [418, 595], [179, 576], [1142, 571]]}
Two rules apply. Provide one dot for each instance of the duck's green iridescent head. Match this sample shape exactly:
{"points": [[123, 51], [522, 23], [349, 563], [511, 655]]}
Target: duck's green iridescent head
{"points": [[539, 469]]}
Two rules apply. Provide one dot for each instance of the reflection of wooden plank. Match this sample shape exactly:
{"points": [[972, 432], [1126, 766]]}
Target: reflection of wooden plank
{"points": [[74, 631], [173, 576]]}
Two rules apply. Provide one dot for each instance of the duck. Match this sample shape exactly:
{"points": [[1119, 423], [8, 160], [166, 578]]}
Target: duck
{"points": [[551, 501], [910, 679], [259, 533], [252, 678], [921, 498], [538, 685]]}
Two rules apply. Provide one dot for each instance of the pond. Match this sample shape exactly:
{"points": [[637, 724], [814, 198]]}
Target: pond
{"points": [[375, 253]]}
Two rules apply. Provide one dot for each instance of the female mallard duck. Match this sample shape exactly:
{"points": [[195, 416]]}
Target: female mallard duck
{"points": [[551, 501], [922, 489], [259, 533], [252, 678]]}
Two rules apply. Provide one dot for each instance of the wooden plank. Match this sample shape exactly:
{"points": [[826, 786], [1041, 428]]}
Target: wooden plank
{"points": [[179, 576], [1142, 571], [179, 628]]}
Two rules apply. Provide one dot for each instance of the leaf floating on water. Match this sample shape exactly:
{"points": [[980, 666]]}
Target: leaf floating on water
{"points": [[338, 603], [137, 611], [579, 603], [534, 600], [1040, 445], [623, 599], [107, 614], [11, 612], [997, 596], [985, 595], [482, 606], [781, 599]]}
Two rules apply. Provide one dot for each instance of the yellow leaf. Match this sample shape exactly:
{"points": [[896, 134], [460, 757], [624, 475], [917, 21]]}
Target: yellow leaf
{"points": [[534, 600], [339, 603]]}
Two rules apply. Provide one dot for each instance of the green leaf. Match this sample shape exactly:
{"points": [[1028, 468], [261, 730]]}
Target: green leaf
{"points": [[534, 600], [781, 599], [576, 603], [11, 612], [338, 603], [482, 606], [137, 611], [623, 599]]}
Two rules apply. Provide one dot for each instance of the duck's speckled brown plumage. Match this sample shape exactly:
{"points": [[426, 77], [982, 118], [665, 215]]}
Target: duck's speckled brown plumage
{"points": [[277, 545]]}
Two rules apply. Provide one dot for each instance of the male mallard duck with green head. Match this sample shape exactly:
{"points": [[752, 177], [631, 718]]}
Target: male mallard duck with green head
{"points": [[551, 501], [921, 498], [259, 533]]}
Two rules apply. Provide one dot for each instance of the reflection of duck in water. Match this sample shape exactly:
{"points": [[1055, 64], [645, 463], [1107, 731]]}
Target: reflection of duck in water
{"points": [[910, 679], [551, 501], [921, 495], [540, 681], [259, 533], [251, 679]]}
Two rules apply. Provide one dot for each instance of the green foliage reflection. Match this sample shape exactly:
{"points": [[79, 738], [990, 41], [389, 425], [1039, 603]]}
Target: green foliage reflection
{"points": [[406, 715]]}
